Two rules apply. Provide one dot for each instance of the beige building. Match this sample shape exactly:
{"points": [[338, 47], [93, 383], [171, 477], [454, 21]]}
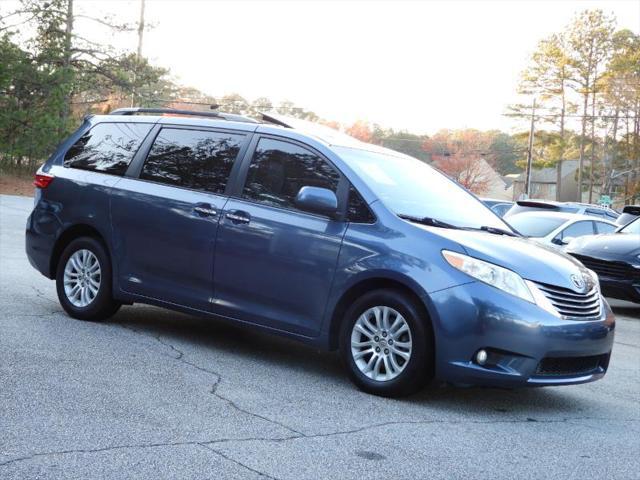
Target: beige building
{"points": [[544, 184], [498, 187]]}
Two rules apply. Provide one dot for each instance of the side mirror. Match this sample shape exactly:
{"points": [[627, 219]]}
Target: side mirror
{"points": [[562, 241], [317, 200]]}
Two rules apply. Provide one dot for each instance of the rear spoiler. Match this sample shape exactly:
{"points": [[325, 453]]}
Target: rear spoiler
{"points": [[632, 209], [537, 204]]}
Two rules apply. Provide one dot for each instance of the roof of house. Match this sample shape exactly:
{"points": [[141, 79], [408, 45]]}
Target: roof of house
{"points": [[548, 175]]}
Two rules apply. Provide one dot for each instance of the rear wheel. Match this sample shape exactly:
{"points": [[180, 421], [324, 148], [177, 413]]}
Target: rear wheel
{"points": [[386, 343], [83, 280]]}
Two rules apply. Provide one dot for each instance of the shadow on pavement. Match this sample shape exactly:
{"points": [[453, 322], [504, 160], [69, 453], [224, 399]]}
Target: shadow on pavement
{"points": [[217, 340]]}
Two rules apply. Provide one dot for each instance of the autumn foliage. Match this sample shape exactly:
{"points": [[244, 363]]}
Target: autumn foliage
{"points": [[463, 156], [361, 131]]}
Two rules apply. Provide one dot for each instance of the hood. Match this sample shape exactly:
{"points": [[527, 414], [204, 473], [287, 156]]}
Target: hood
{"points": [[531, 260], [611, 246]]}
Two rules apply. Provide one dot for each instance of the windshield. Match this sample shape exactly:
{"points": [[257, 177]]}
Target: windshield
{"points": [[535, 225], [410, 187], [633, 227]]}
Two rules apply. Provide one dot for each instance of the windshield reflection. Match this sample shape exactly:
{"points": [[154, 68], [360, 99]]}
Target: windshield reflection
{"points": [[410, 187]]}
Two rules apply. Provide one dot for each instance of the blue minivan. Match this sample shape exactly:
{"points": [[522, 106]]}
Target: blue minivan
{"points": [[305, 232]]}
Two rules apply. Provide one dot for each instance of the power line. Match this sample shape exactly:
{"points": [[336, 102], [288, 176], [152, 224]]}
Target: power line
{"points": [[569, 115]]}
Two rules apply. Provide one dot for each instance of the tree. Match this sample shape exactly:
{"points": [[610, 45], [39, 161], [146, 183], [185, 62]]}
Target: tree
{"points": [[400, 141], [460, 154], [234, 103], [547, 78], [621, 102], [589, 40], [360, 130], [505, 151]]}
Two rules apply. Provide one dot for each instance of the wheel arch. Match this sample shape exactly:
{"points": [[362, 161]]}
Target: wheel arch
{"points": [[66, 237], [367, 285]]}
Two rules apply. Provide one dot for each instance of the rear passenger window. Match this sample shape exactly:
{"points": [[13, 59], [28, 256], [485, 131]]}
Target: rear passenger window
{"points": [[602, 227], [578, 229], [107, 147], [278, 171], [195, 159]]}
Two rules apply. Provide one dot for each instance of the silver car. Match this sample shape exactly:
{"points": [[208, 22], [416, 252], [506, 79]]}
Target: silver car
{"points": [[557, 229]]}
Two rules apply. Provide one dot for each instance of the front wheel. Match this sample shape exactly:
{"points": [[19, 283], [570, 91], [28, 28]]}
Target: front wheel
{"points": [[83, 280], [386, 343]]}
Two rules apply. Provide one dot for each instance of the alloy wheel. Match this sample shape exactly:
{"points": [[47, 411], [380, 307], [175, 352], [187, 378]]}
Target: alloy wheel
{"points": [[82, 277], [381, 343]]}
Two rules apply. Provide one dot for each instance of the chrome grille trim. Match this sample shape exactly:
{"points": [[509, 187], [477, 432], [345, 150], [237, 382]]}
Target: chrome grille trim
{"points": [[571, 304]]}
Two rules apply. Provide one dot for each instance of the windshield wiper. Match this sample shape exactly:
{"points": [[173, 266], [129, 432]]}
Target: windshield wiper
{"points": [[497, 231], [434, 222], [431, 222]]}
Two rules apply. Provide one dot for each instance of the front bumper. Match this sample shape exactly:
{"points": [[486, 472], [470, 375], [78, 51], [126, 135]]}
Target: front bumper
{"points": [[623, 289], [527, 346]]}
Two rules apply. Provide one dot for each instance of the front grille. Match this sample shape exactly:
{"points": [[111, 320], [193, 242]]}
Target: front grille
{"points": [[609, 269], [564, 366], [572, 304]]}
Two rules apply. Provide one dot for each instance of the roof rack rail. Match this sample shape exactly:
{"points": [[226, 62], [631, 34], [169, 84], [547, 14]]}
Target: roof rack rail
{"points": [[270, 118], [173, 111]]}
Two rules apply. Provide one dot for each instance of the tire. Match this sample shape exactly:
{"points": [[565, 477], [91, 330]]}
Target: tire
{"points": [[388, 377], [95, 303]]}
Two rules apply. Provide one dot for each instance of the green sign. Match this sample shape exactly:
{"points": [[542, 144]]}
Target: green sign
{"points": [[605, 200]]}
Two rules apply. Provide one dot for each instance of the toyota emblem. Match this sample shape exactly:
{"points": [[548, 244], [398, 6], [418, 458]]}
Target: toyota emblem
{"points": [[578, 282]]}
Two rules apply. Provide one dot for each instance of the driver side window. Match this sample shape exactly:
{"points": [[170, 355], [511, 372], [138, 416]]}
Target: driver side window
{"points": [[578, 229], [279, 169]]}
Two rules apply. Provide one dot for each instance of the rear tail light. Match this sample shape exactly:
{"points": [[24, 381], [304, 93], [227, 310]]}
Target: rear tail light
{"points": [[42, 180]]}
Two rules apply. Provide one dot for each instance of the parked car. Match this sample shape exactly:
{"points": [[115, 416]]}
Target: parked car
{"points": [[629, 213], [557, 229], [325, 239], [499, 207], [615, 257], [565, 207]]}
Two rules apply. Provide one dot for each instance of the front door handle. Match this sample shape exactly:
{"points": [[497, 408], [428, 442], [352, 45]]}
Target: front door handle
{"points": [[237, 216], [205, 210]]}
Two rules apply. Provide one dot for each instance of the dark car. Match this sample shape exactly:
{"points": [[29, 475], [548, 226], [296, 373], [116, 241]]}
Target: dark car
{"points": [[615, 257], [313, 235], [629, 213], [499, 207], [564, 207]]}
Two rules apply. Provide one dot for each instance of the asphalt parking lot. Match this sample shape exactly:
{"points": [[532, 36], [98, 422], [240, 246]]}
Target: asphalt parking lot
{"points": [[156, 394]]}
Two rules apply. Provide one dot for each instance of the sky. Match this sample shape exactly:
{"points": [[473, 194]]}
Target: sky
{"points": [[415, 65]]}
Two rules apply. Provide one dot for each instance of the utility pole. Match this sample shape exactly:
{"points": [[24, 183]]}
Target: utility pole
{"points": [[139, 52], [140, 29], [68, 76], [527, 179]]}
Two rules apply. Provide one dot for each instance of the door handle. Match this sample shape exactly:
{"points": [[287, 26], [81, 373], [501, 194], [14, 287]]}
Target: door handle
{"points": [[238, 217], [207, 211]]}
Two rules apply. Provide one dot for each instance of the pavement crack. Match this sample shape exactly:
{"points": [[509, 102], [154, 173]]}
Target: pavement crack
{"points": [[237, 462], [180, 357], [527, 420], [94, 450], [41, 294], [627, 344]]}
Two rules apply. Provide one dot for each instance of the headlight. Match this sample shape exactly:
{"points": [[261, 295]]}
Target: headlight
{"points": [[498, 277]]}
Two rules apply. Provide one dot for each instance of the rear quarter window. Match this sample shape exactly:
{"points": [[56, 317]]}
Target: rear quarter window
{"points": [[107, 147]]}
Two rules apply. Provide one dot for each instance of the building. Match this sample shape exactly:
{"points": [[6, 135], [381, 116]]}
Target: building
{"points": [[497, 187], [544, 184]]}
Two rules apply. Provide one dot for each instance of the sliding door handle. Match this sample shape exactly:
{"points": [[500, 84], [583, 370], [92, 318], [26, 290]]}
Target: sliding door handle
{"points": [[237, 216]]}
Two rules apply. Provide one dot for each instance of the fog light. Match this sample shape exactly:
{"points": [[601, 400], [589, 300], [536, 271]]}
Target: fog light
{"points": [[481, 357]]}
